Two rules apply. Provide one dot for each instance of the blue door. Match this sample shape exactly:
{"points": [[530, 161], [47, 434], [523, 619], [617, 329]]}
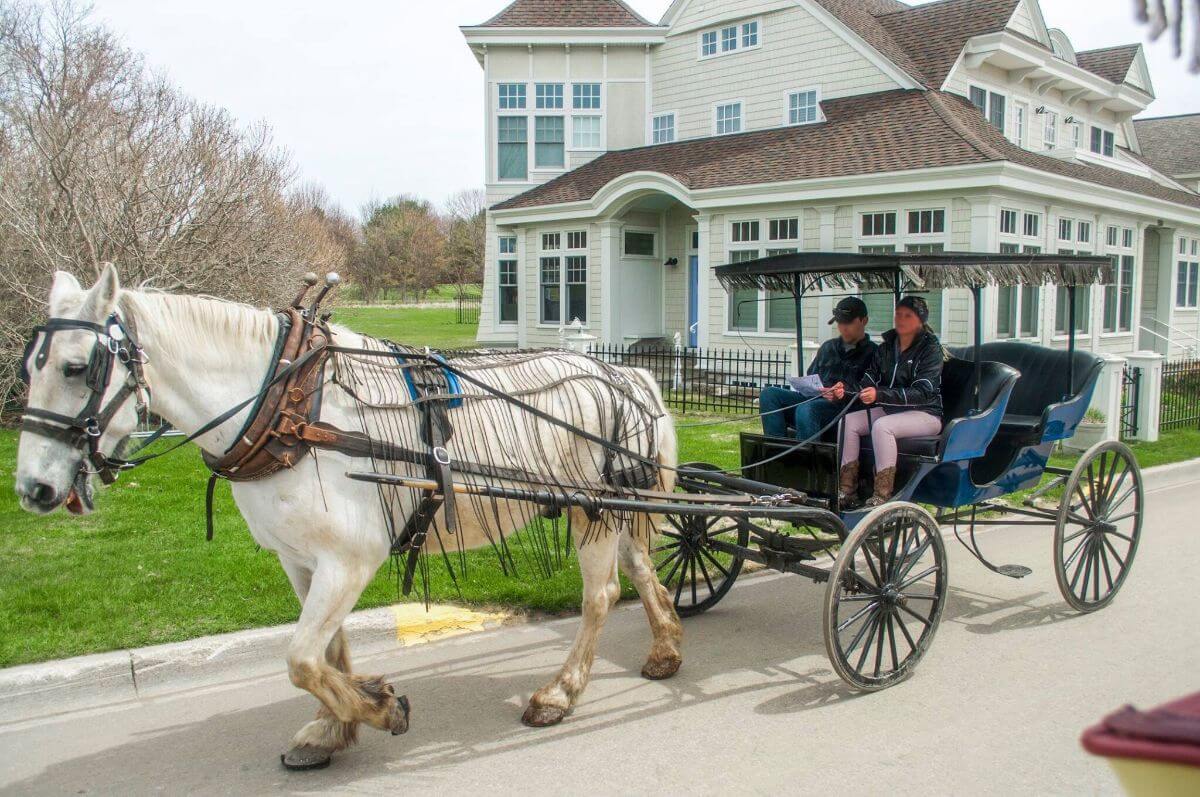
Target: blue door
{"points": [[693, 298]]}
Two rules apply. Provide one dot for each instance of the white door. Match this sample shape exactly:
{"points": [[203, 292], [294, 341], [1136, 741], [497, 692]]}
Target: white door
{"points": [[639, 290]]}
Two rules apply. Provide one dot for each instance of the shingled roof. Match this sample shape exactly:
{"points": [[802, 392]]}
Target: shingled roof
{"points": [[567, 14], [901, 130], [933, 35], [1110, 63], [1171, 144]]}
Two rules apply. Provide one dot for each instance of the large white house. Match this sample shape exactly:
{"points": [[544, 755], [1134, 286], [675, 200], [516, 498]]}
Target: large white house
{"points": [[626, 159]]}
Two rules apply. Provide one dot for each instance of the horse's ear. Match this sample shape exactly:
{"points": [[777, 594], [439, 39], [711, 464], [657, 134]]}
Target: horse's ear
{"points": [[102, 297], [64, 285]]}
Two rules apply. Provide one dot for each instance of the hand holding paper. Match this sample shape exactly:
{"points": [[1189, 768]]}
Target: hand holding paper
{"points": [[807, 386]]}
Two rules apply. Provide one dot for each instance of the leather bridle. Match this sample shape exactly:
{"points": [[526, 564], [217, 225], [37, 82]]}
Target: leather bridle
{"points": [[114, 345]]}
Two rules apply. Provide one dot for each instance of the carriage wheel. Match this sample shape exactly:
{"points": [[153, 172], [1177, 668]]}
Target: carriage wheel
{"points": [[1099, 525], [696, 575], [885, 596]]}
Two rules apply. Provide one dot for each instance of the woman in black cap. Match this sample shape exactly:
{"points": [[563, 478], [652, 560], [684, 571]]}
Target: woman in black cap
{"points": [[903, 393]]}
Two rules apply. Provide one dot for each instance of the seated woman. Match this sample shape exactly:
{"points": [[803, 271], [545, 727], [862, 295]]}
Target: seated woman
{"points": [[905, 382]]}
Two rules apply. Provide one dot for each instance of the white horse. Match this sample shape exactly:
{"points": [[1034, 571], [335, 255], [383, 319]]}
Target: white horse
{"points": [[204, 356]]}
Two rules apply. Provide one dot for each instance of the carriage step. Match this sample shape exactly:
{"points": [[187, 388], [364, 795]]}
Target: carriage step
{"points": [[1013, 571]]}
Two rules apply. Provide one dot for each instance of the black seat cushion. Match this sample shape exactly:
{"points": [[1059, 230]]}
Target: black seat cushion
{"points": [[1043, 379]]}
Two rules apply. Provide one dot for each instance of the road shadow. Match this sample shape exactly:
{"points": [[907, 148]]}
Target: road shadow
{"points": [[765, 639]]}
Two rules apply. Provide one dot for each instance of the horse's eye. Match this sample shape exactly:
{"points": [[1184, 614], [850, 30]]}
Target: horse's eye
{"points": [[74, 369]]}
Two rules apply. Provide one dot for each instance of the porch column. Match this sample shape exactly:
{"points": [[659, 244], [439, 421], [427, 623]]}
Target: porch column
{"points": [[610, 261], [703, 277], [985, 237], [1107, 397], [825, 243], [1149, 399]]}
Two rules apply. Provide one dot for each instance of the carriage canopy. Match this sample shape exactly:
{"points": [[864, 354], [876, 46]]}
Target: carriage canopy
{"points": [[806, 271]]}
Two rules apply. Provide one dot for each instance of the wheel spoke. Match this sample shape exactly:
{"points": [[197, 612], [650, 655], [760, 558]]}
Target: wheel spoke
{"points": [[1124, 497], [704, 570], [1085, 505], [1087, 569], [1119, 518], [916, 578], [682, 578], [1109, 545], [668, 547], [888, 566], [1079, 533], [868, 608], [678, 559], [862, 658], [904, 630], [695, 599], [672, 558], [918, 617], [1107, 572], [892, 643], [1086, 547], [870, 622], [916, 555], [674, 521], [879, 647], [705, 553], [1108, 504], [1125, 537], [1067, 562], [871, 565]]}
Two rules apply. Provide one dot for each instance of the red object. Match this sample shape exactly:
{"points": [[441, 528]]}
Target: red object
{"points": [[1169, 733]]}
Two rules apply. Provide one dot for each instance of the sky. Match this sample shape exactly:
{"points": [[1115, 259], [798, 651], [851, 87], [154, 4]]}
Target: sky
{"points": [[375, 98]]}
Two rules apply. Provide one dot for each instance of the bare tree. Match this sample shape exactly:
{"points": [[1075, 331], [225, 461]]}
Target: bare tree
{"points": [[465, 239], [402, 247], [101, 159]]}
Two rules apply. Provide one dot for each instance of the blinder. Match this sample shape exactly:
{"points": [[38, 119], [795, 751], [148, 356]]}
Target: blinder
{"points": [[83, 431]]}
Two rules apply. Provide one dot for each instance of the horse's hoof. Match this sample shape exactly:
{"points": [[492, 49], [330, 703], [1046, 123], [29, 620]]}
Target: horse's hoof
{"points": [[661, 669], [306, 756], [400, 712], [536, 716]]}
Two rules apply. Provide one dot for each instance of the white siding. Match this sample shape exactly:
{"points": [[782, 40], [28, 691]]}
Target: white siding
{"points": [[797, 52], [1023, 22]]}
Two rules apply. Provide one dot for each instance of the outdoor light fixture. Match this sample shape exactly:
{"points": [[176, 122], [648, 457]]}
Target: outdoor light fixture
{"points": [[1070, 120], [1040, 109], [672, 262]]}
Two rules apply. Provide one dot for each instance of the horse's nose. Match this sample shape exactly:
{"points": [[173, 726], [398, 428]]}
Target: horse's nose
{"points": [[36, 492]]}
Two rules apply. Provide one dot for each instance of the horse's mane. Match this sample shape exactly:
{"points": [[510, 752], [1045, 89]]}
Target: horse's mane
{"points": [[200, 322]]}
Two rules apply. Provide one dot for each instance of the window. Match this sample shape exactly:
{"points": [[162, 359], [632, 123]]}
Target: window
{"points": [[802, 107], [1187, 277], [1075, 134], [548, 148], [639, 244], [551, 241], [1062, 309], [663, 128], [585, 96], [551, 290], [577, 240], [549, 96], [1127, 238], [750, 34], [1033, 223], [729, 38], [1050, 129], [1118, 297], [743, 304], [585, 132], [1112, 235], [979, 99], [576, 288], [877, 224], [512, 148], [1008, 222], [1083, 232], [1018, 306], [744, 231], [1102, 142], [512, 96], [996, 110], [784, 230], [1020, 115], [507, 278], [925, 222], [729, 118], [1065, 230]]}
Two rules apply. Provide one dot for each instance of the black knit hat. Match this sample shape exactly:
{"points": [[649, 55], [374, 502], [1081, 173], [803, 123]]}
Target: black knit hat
{"points": [[917, 305]]}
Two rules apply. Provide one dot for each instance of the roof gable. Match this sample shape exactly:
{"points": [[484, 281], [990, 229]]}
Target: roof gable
{"points": [[567, 14], [935, 34], [1171, 144], [1027, 20], [1110, 63]]}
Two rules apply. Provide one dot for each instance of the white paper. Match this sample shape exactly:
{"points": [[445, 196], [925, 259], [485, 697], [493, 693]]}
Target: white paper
{"points": [[806, 386]]}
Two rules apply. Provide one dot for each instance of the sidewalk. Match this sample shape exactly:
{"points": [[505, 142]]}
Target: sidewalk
{"points": [[105, 679]]}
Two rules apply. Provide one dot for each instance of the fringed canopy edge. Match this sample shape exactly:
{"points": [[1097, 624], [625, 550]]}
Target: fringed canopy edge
{"points": [[918, 271]]}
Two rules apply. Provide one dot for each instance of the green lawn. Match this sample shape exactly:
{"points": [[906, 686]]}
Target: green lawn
{"points": [[432, 327]]}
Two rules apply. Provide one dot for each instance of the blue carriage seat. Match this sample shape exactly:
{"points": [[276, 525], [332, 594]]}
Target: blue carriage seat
{"points": [[965, 433], [1042, 407]]}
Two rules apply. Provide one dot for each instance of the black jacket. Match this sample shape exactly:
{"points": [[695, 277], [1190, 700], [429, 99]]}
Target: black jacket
{"points": [[908, 380], [834, 363]]}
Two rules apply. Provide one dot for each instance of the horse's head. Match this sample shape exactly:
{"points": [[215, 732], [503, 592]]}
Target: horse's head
{"points": [[77, 410]]}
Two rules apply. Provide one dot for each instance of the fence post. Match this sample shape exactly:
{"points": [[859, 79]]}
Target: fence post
{"points": [[1107, 397], [1149, 393]]}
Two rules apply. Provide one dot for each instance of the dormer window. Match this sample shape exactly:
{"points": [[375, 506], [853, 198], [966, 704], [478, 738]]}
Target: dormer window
{"points": [[728, 39], [990, 104], [803, 107], [1102, 141], [727, 118], [1050, 129]]}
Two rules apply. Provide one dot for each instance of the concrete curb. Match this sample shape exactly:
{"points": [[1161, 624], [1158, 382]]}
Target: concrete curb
{"points": [[40, 690]]}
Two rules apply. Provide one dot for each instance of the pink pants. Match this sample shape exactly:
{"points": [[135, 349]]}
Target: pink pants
{"points": [[885, 430]]}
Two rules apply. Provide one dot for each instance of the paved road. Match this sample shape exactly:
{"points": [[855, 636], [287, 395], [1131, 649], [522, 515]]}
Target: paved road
{"points": [[995, 708]]}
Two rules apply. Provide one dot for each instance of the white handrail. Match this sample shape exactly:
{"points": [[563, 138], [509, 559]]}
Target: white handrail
{"points": [[1170, 328], [1188, 350]]}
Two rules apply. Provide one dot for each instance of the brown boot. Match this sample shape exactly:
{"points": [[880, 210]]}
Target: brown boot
{"points": [[848, 486], [885, 485]]}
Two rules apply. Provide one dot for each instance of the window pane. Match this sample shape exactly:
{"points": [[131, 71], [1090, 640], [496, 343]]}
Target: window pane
{"points": [[1181, 285], [577, 240], [1126, 293], [1084, 231], [1006, 312], [639, 244], [586, 96], [512, 96], [585, 132], [729, 39], [551, 305], [729, 118], [996, 111], [1195, 278], [781, 312], [1108, 143], [750, 34], [1110, 299], [1030, 307], [1050, 130], [512, 148], [508, 291], [577, 288], [979, 98], [664, 128], [1097, 140], [708, 43], [548, 149], [549, 95], [802, 107]]}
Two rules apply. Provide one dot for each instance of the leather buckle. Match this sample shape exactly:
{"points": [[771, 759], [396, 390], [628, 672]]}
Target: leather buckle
{"points": [[296, 395], [440, 455]]}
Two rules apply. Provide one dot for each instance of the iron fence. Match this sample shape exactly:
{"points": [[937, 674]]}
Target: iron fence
{"points": [[1131, 382], [1180, 395], [704, 380], [467, 311]]}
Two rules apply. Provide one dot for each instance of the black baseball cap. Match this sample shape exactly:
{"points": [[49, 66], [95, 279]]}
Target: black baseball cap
{"points": [[849, 309]]}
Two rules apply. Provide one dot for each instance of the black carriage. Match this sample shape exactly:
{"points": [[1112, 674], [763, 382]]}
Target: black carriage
{"points": [[1007, 404]]}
